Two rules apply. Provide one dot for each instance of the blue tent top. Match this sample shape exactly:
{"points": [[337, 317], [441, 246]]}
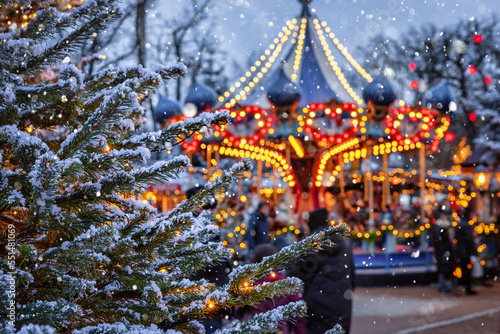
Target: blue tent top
{"points": [[312, 81], [283, 91], [166, 109], [316, 80], [201, 96], [379, 92], [439, 97]]}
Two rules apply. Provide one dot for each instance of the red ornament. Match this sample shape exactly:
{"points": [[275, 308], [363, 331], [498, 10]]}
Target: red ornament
{"points": [[478, 38], [414, 84], [472, 116], [449, 136], [412, 66], [487, 80], [472, 69]]}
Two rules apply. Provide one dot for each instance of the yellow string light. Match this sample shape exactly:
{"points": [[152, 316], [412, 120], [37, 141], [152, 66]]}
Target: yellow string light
{"points": [[298, 51], [264, 66], [259, 153], [335, 67], [346, 54]]}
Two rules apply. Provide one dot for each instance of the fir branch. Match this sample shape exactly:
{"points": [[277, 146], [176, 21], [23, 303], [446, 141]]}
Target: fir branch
{"points": [[269, 321], [24, 147], [121, 328], [71, 43], [289, 253], [176, 132], [96, 165], [53, 313], [35, 329], [117, 76], [44, 178], [258, 293], [162, 171], [336, 330], [37, 100], [41, 27], [15, 189], [205, 195], [57, 232], [111, 109], [189, 260]]}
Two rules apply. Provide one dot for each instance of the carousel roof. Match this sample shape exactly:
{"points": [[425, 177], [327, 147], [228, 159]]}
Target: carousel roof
{"points": [[440, 98], [283, 91], [166, 109], [309, 63], [379, 92], [201, 96]]}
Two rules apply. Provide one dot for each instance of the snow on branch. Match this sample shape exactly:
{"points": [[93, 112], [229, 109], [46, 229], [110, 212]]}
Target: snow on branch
{"points": [[162, 171], [116, 76], [36, 329], [39, 98], [121, 328], [64, 47], [336, 330], [113, 106], [289, 253], [268, 321], [26, 147], [177, 132], [53, 313], [211, 188]]}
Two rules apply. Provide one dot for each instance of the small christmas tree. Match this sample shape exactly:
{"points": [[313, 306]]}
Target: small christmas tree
{"points": [[82, 253]]}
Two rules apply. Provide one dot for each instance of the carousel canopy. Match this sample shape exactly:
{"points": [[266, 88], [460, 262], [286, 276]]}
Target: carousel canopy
{"points": [[201, 96], [308, 62], [380, 92], [440, 98], [283, 91], [166, 109]]}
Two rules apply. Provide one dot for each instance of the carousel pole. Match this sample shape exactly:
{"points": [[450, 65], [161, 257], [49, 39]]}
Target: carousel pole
{"points": [[366, 186], [386, 190], [209, 162], [425, 236], [371, 220], [423, 173], [275, 186], [341, 177], [288, 156], [259, 176]]}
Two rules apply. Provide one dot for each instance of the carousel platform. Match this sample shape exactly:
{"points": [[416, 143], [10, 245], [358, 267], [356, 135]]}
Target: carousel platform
{"points": [[402, 267]]}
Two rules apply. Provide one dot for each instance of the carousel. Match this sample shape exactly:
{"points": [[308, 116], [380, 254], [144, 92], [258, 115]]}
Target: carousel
{"points": [[295, 112], [315, 137]]}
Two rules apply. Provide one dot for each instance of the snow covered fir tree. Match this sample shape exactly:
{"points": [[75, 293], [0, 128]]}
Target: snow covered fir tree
{"points": [[80, 252]]}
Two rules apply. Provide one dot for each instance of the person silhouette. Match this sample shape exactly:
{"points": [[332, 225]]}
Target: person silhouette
{"points": [[328, 277]]}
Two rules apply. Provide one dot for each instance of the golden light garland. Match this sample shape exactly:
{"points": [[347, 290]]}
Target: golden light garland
{"points": [[264, 63], [344, 52], [258, 153], [298, 52], [334, 65]]}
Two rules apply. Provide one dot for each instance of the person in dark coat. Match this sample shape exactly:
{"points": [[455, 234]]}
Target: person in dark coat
{"points": [[465, 249], [328, 277], [258, 227], [443, 251]]}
